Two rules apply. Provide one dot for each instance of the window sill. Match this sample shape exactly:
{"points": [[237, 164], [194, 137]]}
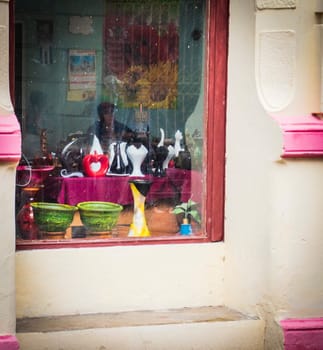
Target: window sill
{"points": [[107, 242]]}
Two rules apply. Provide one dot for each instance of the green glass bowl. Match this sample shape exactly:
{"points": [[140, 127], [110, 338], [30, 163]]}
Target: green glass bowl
{"points": [[53, 217], [99, 216]]}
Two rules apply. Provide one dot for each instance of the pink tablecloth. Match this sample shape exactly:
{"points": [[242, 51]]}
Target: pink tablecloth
{"points": [[177, 184]]}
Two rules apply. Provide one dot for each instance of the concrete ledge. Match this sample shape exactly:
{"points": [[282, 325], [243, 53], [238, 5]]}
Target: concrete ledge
{"points": [[211, 328], [128, 319]]}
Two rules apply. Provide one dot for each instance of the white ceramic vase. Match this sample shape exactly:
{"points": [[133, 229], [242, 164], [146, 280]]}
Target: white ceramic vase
{"points": [[137, 155]]}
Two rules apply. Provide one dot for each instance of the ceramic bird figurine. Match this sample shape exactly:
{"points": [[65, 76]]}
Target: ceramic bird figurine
{"points": [[178, 139], [170, 156], [161, 155]]}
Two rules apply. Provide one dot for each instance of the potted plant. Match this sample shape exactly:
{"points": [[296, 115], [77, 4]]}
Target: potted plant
{"points": [[187, 211]]}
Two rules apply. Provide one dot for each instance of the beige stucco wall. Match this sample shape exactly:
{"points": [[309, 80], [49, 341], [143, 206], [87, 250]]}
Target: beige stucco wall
{"points": [[269, 262], [258, 181], [253, 146], [72, 281], [296, 246]]}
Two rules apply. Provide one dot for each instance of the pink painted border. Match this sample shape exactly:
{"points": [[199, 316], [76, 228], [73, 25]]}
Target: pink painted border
{"points": [[10, 138], [302, 136], [303, 334], [302, 323], [9, 342]]}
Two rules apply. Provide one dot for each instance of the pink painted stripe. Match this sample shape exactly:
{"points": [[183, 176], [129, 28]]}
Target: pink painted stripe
{"points": [[302, 323], [10, 138], [303, 334], [9, 342], [303, 141], [301, 122], [302, 136]]}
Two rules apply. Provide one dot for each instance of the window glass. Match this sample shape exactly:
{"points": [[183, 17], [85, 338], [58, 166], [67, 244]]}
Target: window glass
{"points": [[109, 95]]}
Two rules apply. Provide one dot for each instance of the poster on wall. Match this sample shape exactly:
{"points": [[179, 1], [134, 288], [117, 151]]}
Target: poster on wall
{"points": [[141, 42], [81, 75]]}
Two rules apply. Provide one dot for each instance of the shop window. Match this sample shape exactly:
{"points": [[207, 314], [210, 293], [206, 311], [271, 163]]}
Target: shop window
{"points": [[120, 102]]}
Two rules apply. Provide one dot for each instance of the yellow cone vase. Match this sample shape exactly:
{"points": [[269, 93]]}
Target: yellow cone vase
{"points": [[139, 189]]}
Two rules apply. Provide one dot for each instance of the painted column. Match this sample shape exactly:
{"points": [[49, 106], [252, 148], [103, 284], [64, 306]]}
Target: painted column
{"points": [[296, 243], [10, 146], [288, 86]]}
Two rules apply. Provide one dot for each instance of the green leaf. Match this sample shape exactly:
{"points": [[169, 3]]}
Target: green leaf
{"points": [[178, 211], [189, 208], [196, 216]]}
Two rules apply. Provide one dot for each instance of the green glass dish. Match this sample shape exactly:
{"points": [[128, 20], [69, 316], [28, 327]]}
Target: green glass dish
{"points": [[53, 217], [99, 216]]}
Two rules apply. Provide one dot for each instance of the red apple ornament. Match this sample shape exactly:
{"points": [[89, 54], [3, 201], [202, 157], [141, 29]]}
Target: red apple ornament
{"points": [[95, 164]]}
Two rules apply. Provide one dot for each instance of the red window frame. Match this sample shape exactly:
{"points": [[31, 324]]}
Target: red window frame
{"points": [[215, 110]]}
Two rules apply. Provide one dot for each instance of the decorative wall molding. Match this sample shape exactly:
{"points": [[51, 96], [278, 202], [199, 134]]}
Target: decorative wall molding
{"points": [[276, 4], [303, 333], [10, 139], [276, 68], [302, 136]]}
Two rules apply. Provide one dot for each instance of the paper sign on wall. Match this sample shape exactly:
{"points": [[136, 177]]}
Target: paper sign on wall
{"points": [[82, 75]]}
